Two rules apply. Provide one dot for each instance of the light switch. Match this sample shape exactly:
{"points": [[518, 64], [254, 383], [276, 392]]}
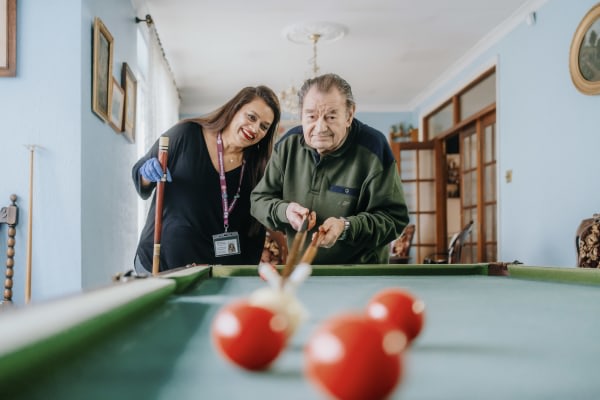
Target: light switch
{"points": [[508, 175]]}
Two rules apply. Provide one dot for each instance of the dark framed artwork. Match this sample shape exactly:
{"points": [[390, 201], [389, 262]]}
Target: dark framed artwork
{"points": [[453, 181], [129, 84], [8, 37], [116, 106], [102, 70], [584, 57]]}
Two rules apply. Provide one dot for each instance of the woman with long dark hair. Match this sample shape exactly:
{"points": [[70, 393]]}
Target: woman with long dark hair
{"points": [[213, 164]]}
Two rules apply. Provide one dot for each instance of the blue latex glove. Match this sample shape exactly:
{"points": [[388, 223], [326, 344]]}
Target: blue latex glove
{"points": [[152, 171]]}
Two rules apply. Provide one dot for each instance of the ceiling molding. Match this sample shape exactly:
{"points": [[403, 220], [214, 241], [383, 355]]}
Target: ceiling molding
{"points": [[487, 42]]}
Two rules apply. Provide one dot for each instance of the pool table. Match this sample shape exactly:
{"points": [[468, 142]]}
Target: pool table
{"points": [[492, 331]]}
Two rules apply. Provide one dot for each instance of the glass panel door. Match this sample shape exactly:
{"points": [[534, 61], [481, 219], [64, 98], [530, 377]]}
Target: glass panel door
{"points": [[416, 166], [489, 247], [478, 179], [470, 183]]}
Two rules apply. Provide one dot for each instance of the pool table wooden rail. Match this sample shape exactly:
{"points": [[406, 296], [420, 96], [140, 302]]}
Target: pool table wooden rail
{"points": [[36, 334]]}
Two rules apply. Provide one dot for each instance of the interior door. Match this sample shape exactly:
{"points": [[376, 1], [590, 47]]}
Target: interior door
{"points": [[478, 181], [418, 168]]}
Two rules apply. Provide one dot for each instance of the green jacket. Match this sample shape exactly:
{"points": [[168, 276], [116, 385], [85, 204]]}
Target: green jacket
{"points": [[358, 181]]}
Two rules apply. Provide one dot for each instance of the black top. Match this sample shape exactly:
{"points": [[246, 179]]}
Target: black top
{"points": [[192, 208]]}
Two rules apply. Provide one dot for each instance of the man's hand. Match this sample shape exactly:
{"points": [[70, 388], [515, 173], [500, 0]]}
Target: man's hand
{"points": [[331, 230], [296, 214]]}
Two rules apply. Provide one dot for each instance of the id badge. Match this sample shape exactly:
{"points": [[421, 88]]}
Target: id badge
{"points": [[226, 244]]}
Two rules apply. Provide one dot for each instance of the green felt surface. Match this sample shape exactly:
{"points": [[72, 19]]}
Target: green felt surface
{"points": [[485, 337], [17, 368], [184, 278]]}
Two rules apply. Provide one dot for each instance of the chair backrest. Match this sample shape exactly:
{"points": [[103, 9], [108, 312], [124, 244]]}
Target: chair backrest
{"points": [[456, 244], [587, 243], [275, 248], [400, 248]]}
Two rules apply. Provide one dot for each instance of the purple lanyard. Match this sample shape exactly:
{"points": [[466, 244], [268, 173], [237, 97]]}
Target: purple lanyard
{"points": [[227, 208]]}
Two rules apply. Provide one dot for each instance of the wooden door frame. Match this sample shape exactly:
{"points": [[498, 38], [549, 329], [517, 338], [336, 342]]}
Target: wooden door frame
{"points": [[397, 148], [480, 119]]}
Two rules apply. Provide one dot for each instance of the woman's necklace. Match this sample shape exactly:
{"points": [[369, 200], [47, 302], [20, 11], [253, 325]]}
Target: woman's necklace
{"points": [[233, 158]]}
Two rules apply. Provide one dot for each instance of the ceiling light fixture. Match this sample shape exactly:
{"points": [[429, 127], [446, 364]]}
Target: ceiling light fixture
{"points": [[308, 33]]}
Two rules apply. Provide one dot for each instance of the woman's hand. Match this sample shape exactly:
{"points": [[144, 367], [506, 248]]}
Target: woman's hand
{"points": [[151, 171]]}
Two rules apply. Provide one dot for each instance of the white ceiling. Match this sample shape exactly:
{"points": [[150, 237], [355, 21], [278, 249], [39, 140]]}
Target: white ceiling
{"points": [[393, 52]]}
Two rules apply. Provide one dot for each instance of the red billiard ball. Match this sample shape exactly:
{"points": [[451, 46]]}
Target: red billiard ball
{"points": [[281, 301], [249, 336], [399, 308], [351, 357]]}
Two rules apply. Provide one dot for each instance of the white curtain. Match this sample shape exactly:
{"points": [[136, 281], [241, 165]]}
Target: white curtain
{"points": [[158, 98], [161, 97]]}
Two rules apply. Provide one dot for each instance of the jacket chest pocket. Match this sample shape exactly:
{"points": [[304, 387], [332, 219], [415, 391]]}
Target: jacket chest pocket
{"points": [[341, 199]]}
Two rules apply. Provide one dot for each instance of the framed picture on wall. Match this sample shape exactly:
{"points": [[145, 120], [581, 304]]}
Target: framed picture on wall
{"points": [[102, 70], [453, 172], [116, 106], [129, 84], [584, 57], [8, 37]]}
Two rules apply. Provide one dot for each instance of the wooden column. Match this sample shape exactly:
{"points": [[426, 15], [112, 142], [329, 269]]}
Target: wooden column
{"points": [[9, 216]]}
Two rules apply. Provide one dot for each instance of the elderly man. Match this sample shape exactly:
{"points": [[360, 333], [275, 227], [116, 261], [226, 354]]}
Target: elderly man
{"points": [[341, 169]]}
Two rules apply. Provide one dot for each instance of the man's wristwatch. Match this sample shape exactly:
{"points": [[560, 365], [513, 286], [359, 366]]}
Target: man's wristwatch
{"points": [[346, 227]]}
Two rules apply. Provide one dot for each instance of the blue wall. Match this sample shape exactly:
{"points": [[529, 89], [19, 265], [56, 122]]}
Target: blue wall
{"points": [[384, 121], [84, 207], [42, 106], [548, 135], [108, 198]]}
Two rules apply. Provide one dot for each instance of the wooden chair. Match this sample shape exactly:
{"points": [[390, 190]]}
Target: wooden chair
{"points": [[400, 248], [587, 242], [275, 250], [9, 215], [453, 255]]}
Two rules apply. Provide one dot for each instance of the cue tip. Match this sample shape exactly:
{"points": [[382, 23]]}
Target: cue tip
{"points": [[33, 147]]}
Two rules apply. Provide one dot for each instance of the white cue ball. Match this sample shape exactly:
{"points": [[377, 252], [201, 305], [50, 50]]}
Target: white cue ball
{"points": [[281, 301]]}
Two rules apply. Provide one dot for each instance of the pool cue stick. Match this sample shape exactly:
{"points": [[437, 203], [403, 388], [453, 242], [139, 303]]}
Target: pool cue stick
{"points": [[311, 250], [297, 244], [163, 147], [31, 148]]}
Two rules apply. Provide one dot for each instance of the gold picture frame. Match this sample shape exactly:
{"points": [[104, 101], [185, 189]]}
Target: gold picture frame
{"points": [[117, 104], [129, 84], [102, 70], [8, 37], [584, 57]]}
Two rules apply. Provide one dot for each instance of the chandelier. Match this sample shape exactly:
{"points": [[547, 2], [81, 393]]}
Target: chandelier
{"points": [[308, 33]]}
